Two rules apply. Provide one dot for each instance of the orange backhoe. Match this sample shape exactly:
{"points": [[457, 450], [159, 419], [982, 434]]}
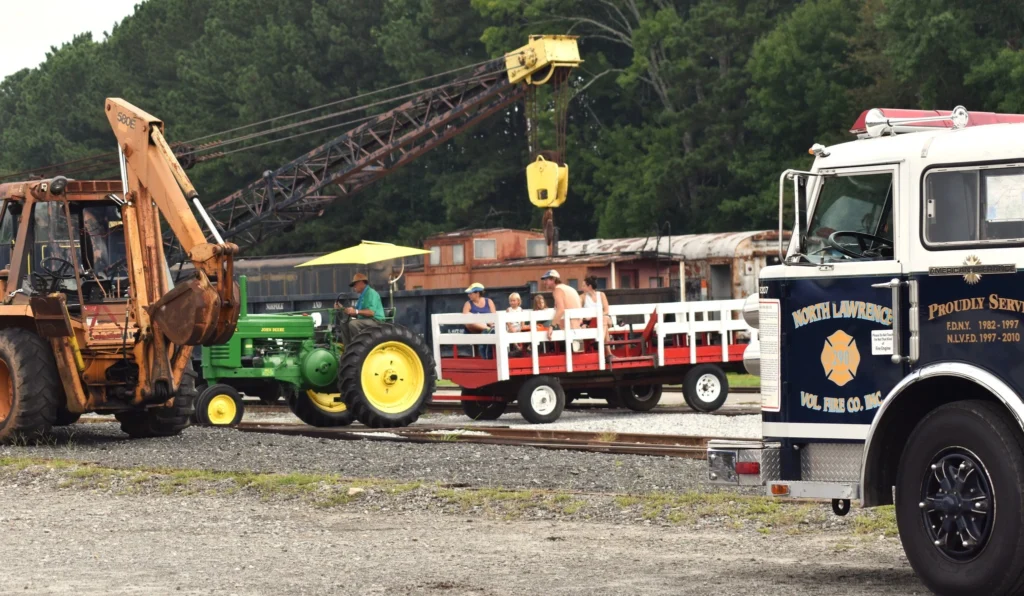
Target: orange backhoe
{"points": [[91, 318]]}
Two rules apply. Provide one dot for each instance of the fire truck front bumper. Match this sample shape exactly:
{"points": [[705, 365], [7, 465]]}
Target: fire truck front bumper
{"points": [[743, 463]]}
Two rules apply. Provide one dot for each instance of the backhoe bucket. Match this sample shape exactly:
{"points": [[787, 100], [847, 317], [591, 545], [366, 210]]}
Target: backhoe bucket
{"points": [[548, 183], [191, 313]]}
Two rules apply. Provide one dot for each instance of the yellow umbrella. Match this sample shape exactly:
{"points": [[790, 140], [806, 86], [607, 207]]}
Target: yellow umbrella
{"points": [[365, 253], [369, 252]]}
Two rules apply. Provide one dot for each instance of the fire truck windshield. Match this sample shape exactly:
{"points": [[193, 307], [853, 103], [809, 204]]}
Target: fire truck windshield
{"points": [[856, 212]]}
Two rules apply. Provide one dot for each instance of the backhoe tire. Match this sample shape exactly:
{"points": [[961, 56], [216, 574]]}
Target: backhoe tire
{"points": [[319, 409], [163, 421], [387, 376], [66, 418], [30, 388]]}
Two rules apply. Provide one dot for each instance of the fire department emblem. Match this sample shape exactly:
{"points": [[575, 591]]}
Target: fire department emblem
{"points": [[840, 358], [972, 276]]}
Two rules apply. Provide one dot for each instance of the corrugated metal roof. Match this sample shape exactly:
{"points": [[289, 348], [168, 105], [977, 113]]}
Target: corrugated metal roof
{"points": [[688, 246], [602, 259], [468, 233]]}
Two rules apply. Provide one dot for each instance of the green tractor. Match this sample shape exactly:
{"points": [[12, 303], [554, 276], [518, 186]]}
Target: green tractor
{"points": [[384, 379]]}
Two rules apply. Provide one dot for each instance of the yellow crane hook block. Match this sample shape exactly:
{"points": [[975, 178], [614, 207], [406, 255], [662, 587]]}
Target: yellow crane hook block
{"points": [[548, 183]]}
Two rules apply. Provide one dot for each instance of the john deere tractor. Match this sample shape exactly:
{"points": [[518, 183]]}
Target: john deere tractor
{"points": [[383, 379]]}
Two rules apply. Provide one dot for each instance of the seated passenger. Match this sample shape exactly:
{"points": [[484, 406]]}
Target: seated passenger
{"points": [[479, 304]]}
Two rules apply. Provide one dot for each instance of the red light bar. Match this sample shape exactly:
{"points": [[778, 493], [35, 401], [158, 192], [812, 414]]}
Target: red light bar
{"points": [[976, 119], [745, 468]]}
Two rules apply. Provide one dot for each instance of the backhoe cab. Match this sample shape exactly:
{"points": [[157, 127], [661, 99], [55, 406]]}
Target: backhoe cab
{"points": [[90, 318]]}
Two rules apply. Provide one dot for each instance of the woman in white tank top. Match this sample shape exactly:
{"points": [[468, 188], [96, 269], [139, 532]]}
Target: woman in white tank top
{"points": [[593, 298]]}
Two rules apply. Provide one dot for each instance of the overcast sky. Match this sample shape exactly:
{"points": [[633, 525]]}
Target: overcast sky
{"points": [[32, 27]]}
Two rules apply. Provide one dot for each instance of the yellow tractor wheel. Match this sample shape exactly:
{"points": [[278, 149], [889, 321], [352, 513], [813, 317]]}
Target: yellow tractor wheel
{"points": [[387, 376], [319, 409], [219, 405]]}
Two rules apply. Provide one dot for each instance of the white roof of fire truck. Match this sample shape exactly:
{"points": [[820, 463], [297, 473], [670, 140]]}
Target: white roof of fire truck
{"points": [[985, 137]]}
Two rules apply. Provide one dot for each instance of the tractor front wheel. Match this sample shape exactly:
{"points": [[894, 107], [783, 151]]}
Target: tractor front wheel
{"points": [[387, 376], [219, 405]]}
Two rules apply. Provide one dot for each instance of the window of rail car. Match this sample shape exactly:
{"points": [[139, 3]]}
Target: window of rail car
{"points": [[973, 205], [851, 202]]}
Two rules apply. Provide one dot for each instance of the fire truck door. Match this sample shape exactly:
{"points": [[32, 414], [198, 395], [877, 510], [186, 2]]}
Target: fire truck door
{"points": [[837, 314]]}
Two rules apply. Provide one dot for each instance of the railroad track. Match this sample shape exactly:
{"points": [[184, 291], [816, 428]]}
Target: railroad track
{"points": [[690, 447], [454, 407]]}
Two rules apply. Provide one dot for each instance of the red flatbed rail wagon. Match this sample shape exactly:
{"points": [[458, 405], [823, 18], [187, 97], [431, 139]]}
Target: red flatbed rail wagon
{"points": [[692, 343]]}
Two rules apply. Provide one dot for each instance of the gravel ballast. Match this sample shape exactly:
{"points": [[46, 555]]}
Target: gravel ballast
{"points": [[86, 541], [446, 462]]}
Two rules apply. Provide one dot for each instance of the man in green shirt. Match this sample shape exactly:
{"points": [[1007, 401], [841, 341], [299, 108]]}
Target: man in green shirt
{"points": [[368, 311]]}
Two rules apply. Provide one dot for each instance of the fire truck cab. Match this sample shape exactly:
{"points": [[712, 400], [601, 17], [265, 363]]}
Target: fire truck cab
{"points": [[890, 341]]}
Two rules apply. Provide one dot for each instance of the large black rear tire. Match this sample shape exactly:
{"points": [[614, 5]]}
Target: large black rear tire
{"points": [[30, 388], [163, 421], [978, 451], [319, 409], [387, 376]]}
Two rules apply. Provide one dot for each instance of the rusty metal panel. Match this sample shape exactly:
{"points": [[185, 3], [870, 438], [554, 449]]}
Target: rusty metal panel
{"points": [[51, 317]]}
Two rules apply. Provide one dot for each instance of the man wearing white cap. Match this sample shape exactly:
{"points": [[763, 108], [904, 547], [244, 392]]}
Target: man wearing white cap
{"points": [[566, 297]]}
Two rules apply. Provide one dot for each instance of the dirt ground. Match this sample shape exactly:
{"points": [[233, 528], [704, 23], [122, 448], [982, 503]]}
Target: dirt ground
{"points": [[78, 530]]}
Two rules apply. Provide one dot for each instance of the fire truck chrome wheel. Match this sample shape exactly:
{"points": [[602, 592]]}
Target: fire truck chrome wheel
{"points": [[393, 377], [541, 399], [325, 401], [956, 503], [959, 499]]}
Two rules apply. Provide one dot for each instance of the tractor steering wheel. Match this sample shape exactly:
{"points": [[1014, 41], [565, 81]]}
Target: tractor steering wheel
{"points": [[48, 279], [862, 242]]}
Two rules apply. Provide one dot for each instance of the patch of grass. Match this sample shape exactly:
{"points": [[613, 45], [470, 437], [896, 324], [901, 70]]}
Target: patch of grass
{"points": [[608, 437], [445, 383], [624, 501], [743, 380], [877, 521], [405, 487]]}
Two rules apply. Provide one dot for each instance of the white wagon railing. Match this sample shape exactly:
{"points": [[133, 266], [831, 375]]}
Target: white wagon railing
{"points": [[716, 317]]}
